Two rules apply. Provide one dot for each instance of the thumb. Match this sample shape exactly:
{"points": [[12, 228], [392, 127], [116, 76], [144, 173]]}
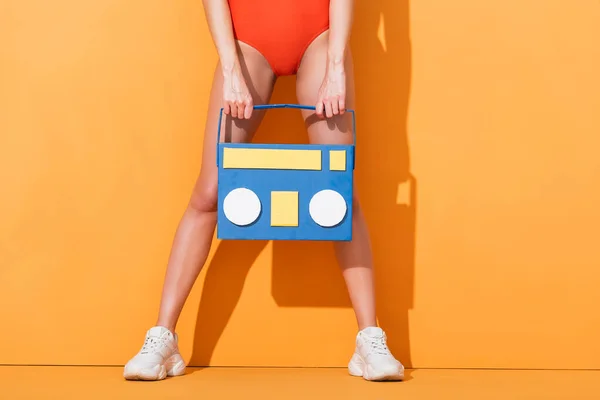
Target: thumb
{"points": [[319, 107], [248, 110]]}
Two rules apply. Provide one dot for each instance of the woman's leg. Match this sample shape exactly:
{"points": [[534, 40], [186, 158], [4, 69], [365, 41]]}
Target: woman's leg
{"points": [[159, 356], [196, 229], [354, 257], [372, 358]]}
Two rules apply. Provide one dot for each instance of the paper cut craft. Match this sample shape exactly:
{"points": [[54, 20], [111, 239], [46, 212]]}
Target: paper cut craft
{"points": [[284, 191]]}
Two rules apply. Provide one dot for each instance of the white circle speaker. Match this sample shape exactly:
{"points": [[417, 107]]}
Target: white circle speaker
{"points": [[327, 208], [241, 206]]}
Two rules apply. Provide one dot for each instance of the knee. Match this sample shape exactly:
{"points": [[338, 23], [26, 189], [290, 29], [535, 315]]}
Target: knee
{"points": [[204, 196]]}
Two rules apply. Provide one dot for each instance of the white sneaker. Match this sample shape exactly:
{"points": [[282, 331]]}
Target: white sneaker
{"points": [[372, 359], [158, 358]]}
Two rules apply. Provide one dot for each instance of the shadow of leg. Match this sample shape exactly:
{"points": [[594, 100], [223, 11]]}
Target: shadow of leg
{"points": [[296, 269], [394, 263], [221, 292]]}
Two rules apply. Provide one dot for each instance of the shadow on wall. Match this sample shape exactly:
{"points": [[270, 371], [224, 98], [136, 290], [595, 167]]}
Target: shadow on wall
{"points": [[305, 274]]}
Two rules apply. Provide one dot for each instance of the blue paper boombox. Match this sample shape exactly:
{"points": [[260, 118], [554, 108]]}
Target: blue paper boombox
{"points": [[285, 191]]}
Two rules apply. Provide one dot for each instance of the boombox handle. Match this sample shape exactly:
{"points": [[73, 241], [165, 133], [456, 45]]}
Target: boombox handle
{"points": [[269, 106]]}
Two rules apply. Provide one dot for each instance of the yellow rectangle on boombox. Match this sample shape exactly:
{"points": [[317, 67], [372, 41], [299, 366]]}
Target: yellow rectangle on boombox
{"points": [[337, 160], [248, 158], [284, 208]]}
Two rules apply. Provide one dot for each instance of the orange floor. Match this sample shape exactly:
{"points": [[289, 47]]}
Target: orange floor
{"points": [[306, 384]]}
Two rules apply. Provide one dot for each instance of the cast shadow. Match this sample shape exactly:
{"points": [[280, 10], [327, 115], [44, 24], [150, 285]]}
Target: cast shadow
{"points": [[385, 185]]}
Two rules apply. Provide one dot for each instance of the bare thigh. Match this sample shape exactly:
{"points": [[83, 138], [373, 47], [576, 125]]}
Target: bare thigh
{"points": [[260, 80], [336, 130]]}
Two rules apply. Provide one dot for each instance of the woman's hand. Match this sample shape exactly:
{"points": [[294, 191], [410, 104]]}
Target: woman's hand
{"points": [[332, 94], [237, 99]]}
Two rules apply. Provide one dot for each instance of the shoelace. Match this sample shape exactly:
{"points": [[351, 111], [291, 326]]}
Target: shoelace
{"points": [[378, 345], [151, 344]]}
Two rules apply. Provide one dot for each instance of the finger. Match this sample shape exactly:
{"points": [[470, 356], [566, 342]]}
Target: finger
{"points": [[248, 110], [241, 106], [342, 105], [328, 110], [234, 109], [226, 108], [335, 106]]}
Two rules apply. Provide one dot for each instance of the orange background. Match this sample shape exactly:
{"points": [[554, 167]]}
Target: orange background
{"points": [[478, 164]]}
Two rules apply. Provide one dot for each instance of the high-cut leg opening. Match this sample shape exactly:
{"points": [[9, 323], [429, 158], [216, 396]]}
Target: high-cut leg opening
{"points": [[247, 43], [315, 37]]}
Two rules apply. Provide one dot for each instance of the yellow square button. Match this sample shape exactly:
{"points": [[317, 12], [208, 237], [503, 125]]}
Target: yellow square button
{"points": [[337, 160], [284, 208]]}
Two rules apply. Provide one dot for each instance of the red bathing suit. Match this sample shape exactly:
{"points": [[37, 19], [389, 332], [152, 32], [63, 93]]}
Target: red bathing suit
{"points": [[281, 30]]}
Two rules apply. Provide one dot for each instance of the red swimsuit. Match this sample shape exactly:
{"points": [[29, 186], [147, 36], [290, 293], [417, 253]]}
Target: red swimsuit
{"points": [[281, 30]]}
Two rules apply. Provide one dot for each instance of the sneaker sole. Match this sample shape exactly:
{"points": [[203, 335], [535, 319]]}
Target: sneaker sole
{"points": [[357, 367], [174, 366], [155, 374], [178, 366]]}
